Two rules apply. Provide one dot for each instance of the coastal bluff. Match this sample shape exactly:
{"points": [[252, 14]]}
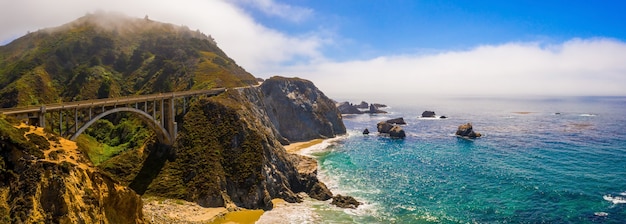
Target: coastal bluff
{"points": [[299, 110]]}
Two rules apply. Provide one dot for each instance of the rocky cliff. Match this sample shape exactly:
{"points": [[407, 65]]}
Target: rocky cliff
{"points": [[47, 180], [229, 149], [299, 110], [228, 154]]}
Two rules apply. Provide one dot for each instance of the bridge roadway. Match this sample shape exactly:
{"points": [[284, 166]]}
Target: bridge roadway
{"points": [[118, 101], [157, 110]]}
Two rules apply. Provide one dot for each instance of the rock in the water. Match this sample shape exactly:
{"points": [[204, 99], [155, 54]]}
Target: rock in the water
{"points": [[466, 130], [345, 202], [366, 132], [428, 113], [347, 108], [374, 110], [397, 132], [320, 192], [394, 131], [362, 105], [399, 120], [379, 105], [384, 127], [443, 117]]}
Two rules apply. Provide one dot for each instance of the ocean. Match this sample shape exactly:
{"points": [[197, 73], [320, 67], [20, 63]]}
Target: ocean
{"points": [[540, 160]]}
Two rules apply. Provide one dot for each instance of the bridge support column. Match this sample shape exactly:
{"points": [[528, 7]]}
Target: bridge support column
{"points": [[170, 117], [42, 116]]}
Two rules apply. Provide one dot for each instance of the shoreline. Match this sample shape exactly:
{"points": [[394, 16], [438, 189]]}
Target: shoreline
{"points": [[298, 147]]}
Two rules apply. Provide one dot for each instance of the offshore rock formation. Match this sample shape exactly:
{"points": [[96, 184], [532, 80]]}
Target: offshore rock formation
{"points": [[399, 120], [299, 110], [428, 114], [347, 108], [392, 130], [45, 181], [467, 131]]}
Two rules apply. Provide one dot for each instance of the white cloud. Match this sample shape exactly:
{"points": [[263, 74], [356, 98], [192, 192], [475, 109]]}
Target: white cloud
{"points": [[575, 67], [252, 45], [284, 11]]}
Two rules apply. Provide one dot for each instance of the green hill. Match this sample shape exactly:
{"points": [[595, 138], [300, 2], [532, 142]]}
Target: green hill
{"points": [[108, 55]]}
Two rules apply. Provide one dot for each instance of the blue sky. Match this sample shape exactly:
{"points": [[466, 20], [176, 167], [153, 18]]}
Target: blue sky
{"points": [[371, 27], [392, 48]]}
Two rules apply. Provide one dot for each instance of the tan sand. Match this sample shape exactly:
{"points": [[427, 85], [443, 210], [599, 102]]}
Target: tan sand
{"points": [[239, 217], [160, 210], [298, 146]]}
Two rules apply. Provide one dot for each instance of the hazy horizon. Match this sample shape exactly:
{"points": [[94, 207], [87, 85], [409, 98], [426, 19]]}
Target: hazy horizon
{"points": [[393, 49]]}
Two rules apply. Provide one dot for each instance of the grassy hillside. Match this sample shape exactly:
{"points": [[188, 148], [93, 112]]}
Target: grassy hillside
{"points": [[109, 55]]}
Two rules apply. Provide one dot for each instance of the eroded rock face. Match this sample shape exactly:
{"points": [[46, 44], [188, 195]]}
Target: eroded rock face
{"points": [[466, 130], [299, 110], [52, 184], [228, 154]]}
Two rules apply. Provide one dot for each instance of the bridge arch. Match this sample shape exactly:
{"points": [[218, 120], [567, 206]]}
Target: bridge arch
{"points": [[162, 134]]}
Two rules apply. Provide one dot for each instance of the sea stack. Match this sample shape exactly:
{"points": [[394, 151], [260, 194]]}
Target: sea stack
{"points": [[428, 113], [467, 131]]}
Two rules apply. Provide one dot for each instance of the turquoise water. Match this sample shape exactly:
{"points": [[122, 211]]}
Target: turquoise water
{"points": [[530, 167]]}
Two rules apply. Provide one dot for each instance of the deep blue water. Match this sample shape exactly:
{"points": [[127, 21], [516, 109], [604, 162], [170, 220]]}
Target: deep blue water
{"points": [[531, 167]]}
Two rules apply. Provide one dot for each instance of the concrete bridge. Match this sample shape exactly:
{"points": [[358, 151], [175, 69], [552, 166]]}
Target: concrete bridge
{"points": [[70, 119]]}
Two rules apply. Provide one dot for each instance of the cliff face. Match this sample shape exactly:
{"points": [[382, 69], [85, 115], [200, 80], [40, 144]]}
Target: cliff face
{"points": [[46, 180], [299, 110], [227, 154]]}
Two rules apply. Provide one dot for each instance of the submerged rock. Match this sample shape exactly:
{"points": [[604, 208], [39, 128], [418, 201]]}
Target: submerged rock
{"points": [[466, 130], [345, 202]]}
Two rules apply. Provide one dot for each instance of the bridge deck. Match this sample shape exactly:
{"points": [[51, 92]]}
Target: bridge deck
{"points": [[110, 101]]}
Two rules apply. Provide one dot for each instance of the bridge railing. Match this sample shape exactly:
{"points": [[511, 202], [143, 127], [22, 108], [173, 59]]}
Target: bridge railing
{"points": [[108, 101]]}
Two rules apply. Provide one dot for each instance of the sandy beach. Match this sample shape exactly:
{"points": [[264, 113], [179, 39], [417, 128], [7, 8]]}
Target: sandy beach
{"points": [[296, 147]]}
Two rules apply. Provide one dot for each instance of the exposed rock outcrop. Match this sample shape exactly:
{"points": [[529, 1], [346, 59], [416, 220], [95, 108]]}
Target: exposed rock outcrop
{"points": [[393, 131], [374, 110], [362, 105], [399, 120], [347, 108], [379, 105], [299, 110], [366, 131], [467, 131], [345, 202], [227, 152], [428, 114], [46, 181]]}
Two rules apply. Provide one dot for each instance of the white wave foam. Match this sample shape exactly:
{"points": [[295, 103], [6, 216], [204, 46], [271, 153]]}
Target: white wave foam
{"points": [[587, 115], [615, 199], [324, 145], [293, 213], [431, 118]]}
